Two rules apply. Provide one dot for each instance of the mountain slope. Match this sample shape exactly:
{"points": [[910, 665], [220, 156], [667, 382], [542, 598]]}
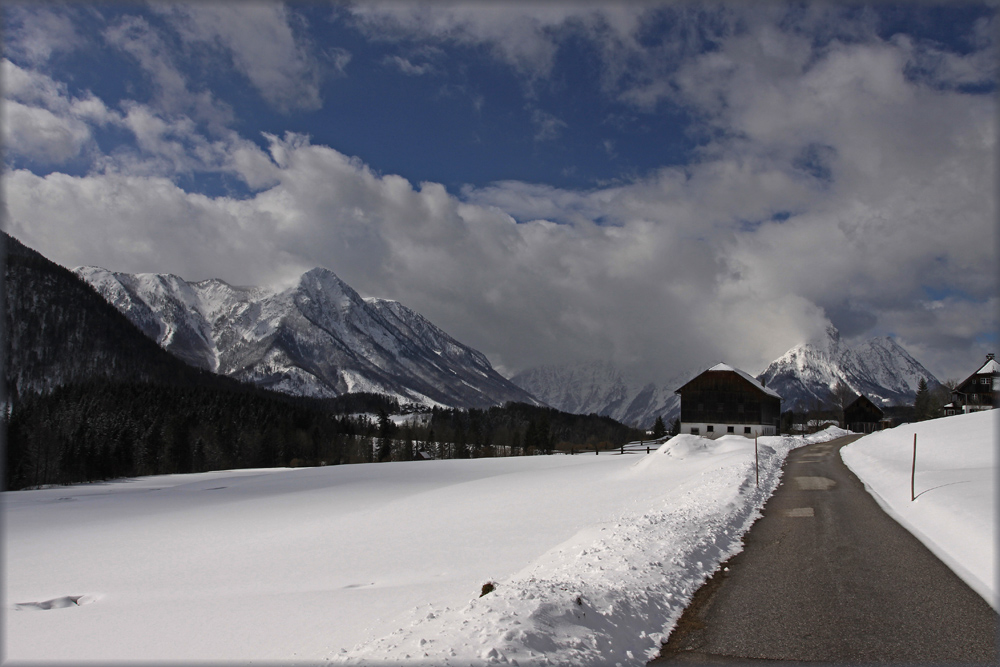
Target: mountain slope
{"points": [[879, 368], [58, 330], [317, 338], [601, 388]]}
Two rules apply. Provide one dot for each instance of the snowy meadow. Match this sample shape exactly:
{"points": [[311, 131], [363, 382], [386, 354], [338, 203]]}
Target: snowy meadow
{"points": [[592, 558]]}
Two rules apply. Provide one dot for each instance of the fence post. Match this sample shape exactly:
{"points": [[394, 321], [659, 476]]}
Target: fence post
{"points": [[756, 462], [913, 470]]}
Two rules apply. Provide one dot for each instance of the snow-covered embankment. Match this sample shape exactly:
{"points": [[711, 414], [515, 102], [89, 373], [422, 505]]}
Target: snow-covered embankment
{"points": [[954, 513]]}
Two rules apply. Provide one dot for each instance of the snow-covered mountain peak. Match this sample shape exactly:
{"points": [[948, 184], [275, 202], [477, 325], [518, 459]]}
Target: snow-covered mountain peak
{"points": [[325, 286], [880, 368]]}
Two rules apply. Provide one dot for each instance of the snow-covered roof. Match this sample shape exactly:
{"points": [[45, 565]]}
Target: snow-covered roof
{"points": [[991, 366], [746, 376]]}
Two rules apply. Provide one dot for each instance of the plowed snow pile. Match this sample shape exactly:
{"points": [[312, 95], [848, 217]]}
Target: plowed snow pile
{"points": [[592, 558], [954, 513]]}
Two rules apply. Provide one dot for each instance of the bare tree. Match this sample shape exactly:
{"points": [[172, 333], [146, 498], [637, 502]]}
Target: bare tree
{"points": [[843, 396]]}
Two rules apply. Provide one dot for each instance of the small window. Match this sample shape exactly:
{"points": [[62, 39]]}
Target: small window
{"points": [[739, 408], [746, 430], [710, 428], [695, 431], [701, 407], [722, 407], [730, 429]]}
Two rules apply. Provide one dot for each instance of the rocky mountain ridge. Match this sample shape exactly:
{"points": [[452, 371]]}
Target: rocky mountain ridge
{"points": [[317, 338]]}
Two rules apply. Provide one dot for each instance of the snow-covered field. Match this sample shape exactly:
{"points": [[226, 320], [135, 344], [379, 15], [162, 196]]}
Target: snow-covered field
{"points": [[954, 513], [593, 558]]}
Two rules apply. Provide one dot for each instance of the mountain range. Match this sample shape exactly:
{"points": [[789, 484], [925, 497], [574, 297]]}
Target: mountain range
{"points": [[318, 338], [880, 368]]}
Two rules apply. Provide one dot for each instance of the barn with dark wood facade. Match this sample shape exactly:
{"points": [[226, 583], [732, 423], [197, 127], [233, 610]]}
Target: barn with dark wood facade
{"points": [[863, 416], [725, 400]]}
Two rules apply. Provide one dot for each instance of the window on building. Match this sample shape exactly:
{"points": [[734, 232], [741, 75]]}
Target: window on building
{"points": [[694, 430], [722, 407], [746, 430], [710, 428], [730, 429]]}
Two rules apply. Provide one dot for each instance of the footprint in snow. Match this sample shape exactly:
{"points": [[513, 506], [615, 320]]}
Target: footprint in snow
{"points": [[55, 603]]}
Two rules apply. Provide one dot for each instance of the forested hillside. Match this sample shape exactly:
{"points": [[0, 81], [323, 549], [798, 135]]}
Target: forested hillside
{"points": [[58, 330]]}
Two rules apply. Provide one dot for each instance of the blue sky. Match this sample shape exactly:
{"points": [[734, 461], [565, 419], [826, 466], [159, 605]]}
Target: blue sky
{"points": [[533, 177]]}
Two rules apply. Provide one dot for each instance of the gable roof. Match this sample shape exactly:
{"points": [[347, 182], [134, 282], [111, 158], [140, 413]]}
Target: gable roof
{"points": [[861, 400], [743, 374]]}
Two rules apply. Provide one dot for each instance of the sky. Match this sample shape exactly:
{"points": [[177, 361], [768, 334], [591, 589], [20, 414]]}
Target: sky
{"points": [[661, 185]]}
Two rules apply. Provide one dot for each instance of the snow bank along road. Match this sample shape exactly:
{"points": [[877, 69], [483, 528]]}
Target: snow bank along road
{"points": [[827, 576], [593, 558], [955, 511]]}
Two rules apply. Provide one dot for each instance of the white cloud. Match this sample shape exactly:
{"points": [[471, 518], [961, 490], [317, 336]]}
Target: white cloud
{"points": [[405, 66], [135, 36], [547, 126], [35, 33], [524, 39], [39, 134], [264, 46], [41, 121]]}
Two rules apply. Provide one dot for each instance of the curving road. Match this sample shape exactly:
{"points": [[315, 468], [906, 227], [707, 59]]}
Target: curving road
{"points": [[827, 576]]}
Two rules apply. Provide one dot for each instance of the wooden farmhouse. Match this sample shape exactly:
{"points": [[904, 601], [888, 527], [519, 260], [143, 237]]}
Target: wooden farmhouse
{"points": [[863, 416], [725, 400], [978, 391]]}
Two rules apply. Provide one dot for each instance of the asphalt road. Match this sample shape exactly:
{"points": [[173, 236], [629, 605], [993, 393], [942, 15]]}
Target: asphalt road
{"points": [[827, 576]]}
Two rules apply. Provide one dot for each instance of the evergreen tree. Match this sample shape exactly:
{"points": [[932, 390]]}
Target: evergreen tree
{"points": [[384, 441], [843, 396], [922, 403], [659, 429]]}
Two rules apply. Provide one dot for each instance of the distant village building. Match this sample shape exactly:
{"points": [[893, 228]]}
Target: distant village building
{"points": [[725, 400], [863, 416], [978, 391]]}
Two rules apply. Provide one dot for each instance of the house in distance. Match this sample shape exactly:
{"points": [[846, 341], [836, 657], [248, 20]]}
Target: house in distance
{"points": [[863, 416], [978, 391], [725, 400]]}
